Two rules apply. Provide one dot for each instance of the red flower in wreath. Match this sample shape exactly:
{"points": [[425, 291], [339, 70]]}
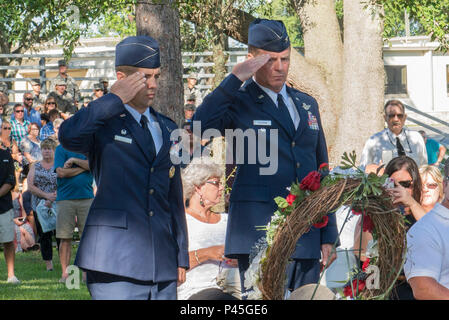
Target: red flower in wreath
{"points": [[323, 166], [368, 224], [311, 181], [348, 291], [323, 223], [357, 213], [365, 264], [290, 198]]}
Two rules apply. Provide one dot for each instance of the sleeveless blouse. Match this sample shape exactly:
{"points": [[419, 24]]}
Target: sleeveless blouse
{"points": [[45, 180]]}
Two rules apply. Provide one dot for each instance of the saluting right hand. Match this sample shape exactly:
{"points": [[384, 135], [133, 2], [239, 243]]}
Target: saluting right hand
{"points": [[246, 69], [127, 88]]}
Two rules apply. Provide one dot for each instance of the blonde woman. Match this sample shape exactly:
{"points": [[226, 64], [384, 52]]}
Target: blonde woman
{"points": [[432, 186], [42, 185]]}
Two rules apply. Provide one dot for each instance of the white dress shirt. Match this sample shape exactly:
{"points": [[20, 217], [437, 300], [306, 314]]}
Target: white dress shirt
{"points": [[153, 125], [382, 147]]}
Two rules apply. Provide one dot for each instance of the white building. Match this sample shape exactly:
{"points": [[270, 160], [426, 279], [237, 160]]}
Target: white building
{"points": [[417, 74]]}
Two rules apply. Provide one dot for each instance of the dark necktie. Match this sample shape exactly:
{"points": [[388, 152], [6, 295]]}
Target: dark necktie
{"points": [[284, 111], [147, 133], [401, 151]]}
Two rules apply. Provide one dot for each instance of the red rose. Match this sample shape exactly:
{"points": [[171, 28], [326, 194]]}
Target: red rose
{"points": [[311, 181], [356, 213], [323, 223], [323, 165], [365, 264], [290, 198], [368, 224], [347, 291]]}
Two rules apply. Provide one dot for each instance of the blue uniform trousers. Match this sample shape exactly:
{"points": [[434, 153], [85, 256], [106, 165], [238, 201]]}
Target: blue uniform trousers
{"points": [[104, 286]]}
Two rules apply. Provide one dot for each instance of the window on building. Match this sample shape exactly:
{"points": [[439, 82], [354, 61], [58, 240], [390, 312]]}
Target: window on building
{"points": [[395, 79]]}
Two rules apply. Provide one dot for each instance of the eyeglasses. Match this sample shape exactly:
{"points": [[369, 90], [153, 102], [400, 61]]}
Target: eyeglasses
{"points": [[406, 183], [19, 111], [399, 115], [430, 185], [6, 128], [215, 183], [51, 102]]}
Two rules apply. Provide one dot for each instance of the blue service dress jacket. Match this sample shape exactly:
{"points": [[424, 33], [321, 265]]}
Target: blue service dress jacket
{"points": [[300, 151], [136, 225]]}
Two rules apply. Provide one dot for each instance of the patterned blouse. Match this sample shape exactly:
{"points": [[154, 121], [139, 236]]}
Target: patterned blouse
{"points": [[45, 180]]}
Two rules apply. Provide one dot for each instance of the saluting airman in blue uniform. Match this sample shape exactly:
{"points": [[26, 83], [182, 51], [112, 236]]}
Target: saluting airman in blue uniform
{"points": [[255, 97], [134, 245]]}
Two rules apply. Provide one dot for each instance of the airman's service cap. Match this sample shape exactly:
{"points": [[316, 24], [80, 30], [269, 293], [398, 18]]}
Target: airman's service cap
{"points": [[139, 52], [269, 35]]}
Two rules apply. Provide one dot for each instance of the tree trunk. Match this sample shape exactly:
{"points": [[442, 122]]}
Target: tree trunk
{"points": [[363, 79], [220, 58], [321, 77], [160, 20]]}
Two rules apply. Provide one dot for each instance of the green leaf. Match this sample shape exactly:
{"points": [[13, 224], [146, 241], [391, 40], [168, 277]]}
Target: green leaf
{"points": [[281, 202], [295, 190]]}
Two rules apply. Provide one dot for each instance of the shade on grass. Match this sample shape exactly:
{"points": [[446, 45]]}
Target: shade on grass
{"points": [[36, 282]]}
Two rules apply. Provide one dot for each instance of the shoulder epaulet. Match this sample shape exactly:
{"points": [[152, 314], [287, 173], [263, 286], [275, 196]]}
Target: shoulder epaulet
{"points": [[168, 120], [301, 93]]}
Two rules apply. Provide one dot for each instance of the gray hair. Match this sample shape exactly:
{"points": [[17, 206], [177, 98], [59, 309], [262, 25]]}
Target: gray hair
{"points": [[197, 173]]}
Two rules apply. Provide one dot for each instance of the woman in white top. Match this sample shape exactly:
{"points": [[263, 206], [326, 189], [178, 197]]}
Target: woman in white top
{"points": [[207, 230]]}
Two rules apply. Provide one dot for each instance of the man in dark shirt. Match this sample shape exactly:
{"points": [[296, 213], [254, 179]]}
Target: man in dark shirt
{"points": [[7, 182]]}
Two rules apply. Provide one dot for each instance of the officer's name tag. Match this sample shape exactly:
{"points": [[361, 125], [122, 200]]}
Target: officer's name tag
{"points": [[262, 122], [123, 139]]}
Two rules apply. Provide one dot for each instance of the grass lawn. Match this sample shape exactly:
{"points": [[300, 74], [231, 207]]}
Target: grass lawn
{"points": [[36, 282]]}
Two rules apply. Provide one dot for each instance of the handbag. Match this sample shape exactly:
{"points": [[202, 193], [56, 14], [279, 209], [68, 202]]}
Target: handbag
{"points": [[46, 216]]}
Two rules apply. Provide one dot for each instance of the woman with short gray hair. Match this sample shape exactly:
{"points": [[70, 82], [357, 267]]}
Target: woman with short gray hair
{"points": [[207, 230]]}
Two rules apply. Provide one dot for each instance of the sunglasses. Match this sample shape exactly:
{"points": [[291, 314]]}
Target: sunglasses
{"points": [[51, 102], [399, 115], [6, 128], [215, 183], [19, 111], [28, 99], [406, 183], [430, 185]]}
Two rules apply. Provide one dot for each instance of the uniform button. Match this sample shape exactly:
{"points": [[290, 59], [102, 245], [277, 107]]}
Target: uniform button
{"points": [[298, 164], [293, 144], [151, 213], [152, 170], [151, 191]]}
